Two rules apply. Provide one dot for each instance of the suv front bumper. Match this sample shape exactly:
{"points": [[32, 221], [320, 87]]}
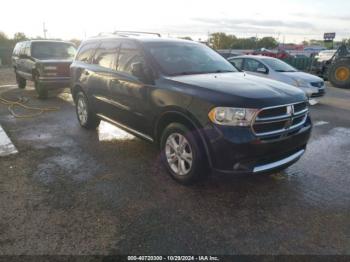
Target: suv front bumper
{"points": [[238, 150]]}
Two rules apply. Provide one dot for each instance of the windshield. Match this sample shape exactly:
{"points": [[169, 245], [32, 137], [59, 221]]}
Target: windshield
{"points": [[188, 58], [53, 50], [278, 65]]}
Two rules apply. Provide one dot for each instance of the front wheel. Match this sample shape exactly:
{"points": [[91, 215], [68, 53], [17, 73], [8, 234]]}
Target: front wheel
{"points": [[40, 89], [182, 154], [86, 117], [21, 82]]}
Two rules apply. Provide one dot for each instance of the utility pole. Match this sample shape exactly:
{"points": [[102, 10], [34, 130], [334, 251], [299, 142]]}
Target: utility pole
{"points": [[44, 30]]}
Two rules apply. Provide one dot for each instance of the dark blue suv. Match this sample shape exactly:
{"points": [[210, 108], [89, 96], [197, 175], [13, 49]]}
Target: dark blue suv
{"points": [[186, 98]]}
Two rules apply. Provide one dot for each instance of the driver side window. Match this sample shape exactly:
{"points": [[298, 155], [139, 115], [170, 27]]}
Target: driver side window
{"points": [[252, 65], [129, 54]]}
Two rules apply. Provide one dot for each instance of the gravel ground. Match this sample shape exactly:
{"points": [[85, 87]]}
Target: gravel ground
{"points": [[72, 191]]}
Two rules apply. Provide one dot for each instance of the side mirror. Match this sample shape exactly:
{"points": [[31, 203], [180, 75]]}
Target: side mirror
{"points": [[137, 70], [140, 71], [262, 70]]}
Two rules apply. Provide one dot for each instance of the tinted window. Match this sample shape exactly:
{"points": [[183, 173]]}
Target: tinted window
{"points": [[278, 65], [176, 58], [52, 50], [16, 49], [27, 49], [106, 54], [21, 48], [129, 54], [238, 63], [252, 65], [86, 51]]}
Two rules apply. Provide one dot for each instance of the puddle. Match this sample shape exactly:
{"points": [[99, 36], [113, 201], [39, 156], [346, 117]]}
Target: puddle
{"points": [[66, 97], [44, 140], [77, 166], [329, 155], [321, 123], [108, 132]]}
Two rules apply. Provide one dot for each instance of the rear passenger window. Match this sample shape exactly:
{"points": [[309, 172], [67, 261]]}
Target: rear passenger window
{"points": [[252, 65], [106, 54], [85, 52], [16, 49], [27, 49], [129, 54]]}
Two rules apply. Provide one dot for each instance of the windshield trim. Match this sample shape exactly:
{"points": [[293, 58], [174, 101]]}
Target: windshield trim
{"points": [[263, 60]]}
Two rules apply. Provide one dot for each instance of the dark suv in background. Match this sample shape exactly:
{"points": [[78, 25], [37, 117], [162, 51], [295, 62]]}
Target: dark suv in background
{"points": [[44, 62], [195, 105]]}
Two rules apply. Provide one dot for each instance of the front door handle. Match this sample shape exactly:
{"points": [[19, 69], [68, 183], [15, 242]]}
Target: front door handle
{"points": [[86, 73]]}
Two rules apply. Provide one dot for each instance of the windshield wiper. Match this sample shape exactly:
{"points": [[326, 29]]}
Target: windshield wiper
{"points": [[224, 71], [189, 73], [285, 71], [203, 72]]}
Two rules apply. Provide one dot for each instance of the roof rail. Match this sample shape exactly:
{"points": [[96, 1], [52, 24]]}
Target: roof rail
{"points": [[135, 33]]}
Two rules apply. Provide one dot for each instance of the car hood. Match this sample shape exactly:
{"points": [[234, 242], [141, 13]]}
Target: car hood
{"points": [[302, 76], [240, 89]]}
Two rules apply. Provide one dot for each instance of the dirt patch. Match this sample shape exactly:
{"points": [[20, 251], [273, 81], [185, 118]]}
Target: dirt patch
{"points": [[7, 76]]}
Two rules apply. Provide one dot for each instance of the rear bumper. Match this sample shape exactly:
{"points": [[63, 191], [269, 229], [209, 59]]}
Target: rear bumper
{"points": [[238, 150]]}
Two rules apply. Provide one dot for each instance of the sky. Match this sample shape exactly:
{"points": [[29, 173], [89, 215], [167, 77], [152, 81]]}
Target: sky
{"points": [[286, 20]]}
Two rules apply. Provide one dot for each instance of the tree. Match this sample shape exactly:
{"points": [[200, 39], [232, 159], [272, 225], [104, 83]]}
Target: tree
{"points": [[186, 38], [76, 42], [3, 37], [221, 40], [19, 36], [267, 42]]}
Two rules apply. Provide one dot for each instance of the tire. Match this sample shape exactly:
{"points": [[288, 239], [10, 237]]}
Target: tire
{"points": [[40, 88], [339, 73], [176, 155], [85, 114], [21, 82]]}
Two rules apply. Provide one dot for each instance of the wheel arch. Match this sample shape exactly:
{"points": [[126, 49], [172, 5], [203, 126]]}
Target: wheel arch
{"points": [[185, 118]]}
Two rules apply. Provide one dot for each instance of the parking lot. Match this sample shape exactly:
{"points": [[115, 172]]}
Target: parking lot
{"points": [[72, 191]]}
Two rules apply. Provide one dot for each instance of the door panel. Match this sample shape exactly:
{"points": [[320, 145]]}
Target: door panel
{"points": [[100, 75], [129, 94]]}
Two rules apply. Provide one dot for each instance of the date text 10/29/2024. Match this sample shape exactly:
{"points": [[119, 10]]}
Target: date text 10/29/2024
{"points": [[173, 258]]}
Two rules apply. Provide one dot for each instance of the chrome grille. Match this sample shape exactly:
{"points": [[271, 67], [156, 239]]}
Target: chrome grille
{"points": [[280, 119]]}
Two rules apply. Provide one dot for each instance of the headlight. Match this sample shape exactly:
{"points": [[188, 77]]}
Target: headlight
{"points": [[300, 83], [231, 116]]}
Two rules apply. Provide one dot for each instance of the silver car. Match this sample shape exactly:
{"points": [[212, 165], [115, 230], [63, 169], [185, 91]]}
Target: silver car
{"points": [[276, 69]]}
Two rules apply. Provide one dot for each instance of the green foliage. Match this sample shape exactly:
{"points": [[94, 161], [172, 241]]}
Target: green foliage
{"points": [[267, 42], [19, 36], [186, 38], [221, 40]]}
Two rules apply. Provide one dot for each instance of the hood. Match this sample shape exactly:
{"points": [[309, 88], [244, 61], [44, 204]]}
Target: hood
{"points": [[303, 76], [240, 89]]}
